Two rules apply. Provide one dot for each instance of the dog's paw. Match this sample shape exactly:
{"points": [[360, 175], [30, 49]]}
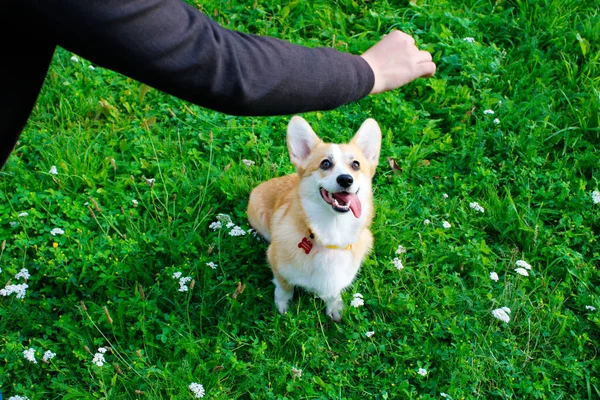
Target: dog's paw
{"points": [[282, 307], [335, 315]]}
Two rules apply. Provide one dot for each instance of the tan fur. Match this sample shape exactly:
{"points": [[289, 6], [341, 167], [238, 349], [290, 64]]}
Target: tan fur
{"points": [[276, 210]]}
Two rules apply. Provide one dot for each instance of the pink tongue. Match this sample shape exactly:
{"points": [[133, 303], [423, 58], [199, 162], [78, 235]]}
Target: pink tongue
{"points": [[351, 198]]}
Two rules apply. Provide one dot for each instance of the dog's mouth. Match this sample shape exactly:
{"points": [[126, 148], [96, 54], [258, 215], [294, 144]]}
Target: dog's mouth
{"points": [[343, 202]]}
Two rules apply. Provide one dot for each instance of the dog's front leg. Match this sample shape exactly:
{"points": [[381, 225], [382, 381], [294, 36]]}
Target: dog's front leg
{"points": [[283, 293], [334, 306]]}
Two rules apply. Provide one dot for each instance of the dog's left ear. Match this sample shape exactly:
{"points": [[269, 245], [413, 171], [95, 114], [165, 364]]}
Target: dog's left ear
{"points": [[368, 140], [301, 140]]}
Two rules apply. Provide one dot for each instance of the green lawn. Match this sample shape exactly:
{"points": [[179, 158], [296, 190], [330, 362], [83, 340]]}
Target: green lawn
{"points": [[532, 163]]}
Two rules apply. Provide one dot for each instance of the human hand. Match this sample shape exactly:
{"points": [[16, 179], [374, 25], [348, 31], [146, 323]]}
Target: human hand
{"points": [[396, 61]]}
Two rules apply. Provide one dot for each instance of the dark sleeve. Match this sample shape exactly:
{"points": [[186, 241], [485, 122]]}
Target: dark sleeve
{"points": [[173, 47]]}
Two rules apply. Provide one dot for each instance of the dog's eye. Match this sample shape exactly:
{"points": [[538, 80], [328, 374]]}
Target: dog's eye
{"points": [[326, 164], [355, 165]]}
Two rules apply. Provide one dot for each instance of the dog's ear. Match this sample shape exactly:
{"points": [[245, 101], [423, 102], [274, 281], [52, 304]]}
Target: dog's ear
{"points": [[368, 140], [301, 140]]}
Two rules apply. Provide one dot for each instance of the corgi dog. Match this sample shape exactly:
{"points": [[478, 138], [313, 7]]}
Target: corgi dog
{"points": [[317, 219]]}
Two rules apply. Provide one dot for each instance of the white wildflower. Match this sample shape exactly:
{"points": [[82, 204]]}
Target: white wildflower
{"points": [[99, 359], [397, 263], [19, 290], [357, 301], [18, 398], [215, 225], [212, 265], [296, 373], [445, 196], [197, 389], [229, 225], [23, 273], [494, 276], [427, 222], [475, 206], [523, 264], [13, 223], [223, 218], [135, 202], [48, 355], [596, 197], [446, 225], [370, 334], [469, 40], [522, 271], [502, 314], [23, 214], [29, 355], [57, 231], [422, 371], [490, 112], [53, 170], [443, 394], [496, 121], [150, 182], [177, 275], [91, 67], [401, 249], [591, 308], [75, 59], [237, 231], [248, 162], [183, 283]]}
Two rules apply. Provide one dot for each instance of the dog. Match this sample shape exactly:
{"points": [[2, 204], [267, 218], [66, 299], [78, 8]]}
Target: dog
{"points": [[317, 219]]}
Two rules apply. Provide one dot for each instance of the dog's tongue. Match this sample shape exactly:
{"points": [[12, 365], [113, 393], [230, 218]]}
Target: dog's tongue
{"points": [[351, 198]]}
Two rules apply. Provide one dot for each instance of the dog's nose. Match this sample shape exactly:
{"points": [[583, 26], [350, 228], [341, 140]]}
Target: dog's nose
{"points": [[345, 180]]}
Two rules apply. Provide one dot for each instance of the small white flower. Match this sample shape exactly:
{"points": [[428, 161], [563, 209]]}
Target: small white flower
{"points": [[591, 308], [150, 182], [443, 394], [75, 59], [296, 373], [91, 67], [370, 334], [29, 355], [23, 214], [18, 398], [102, 350], [53, 170], [23, 273], [397, 263], [215, 225], [212, 265], [197, 389], [475, 206], [522, 271], [422, 371], [99, 359], [13, 223], [445, 196], [523, 264], [183, 283], [48, 355], [502, 314], [490, 112], [177, 275], [57, 231], [19, 290], [357, 300], [596, 197], [401, 249], [237, 231], [229, 225], [469, 40], [135, 202], [496, 121], [446, 225], [223, 218], [248, 162], [494, 276], [427, 222]]}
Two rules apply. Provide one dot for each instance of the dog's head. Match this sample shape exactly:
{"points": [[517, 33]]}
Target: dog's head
{"points": [[335, 176]]}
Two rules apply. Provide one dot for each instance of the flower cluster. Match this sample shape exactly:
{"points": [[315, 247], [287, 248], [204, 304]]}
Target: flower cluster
{"points": [[224, 219], [23, 273], [422, 372], [19, 290], [494, 276], [197, 389], [99, 359], [357, 300], [183, 280], [48, 355], [502, 314], [475, 206], [596, 197], [18, 398], [523, 267], [248, 162], [29, 355], [446, 225], [57, 231], [212, 265], [397, 263]]}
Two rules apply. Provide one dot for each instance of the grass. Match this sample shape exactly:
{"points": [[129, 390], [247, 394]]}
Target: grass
{"points": [[108, 280]]}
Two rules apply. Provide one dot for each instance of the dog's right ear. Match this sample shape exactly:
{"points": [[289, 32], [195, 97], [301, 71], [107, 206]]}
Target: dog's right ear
{"points": [[301, 140]]}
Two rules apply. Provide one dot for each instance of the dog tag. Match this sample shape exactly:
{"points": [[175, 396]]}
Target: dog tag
{"points": [[305, 245]]}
